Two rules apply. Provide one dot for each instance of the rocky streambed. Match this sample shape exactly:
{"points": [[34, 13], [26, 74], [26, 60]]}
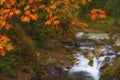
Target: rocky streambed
{"points": [[94, 51]]}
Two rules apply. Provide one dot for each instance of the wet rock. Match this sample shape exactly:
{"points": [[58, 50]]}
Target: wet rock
{"points": [[118, 53], [90, 63], [81, 75], [106, 51], [36, 77], [107, 59], [77, 44], [68, 43], [104, 66], [54, 70], [117, 42], [79, 35], [98, 36]]}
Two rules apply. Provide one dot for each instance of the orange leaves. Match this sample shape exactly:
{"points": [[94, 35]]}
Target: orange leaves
{"points": [[83, 2], [52, 20], [12, 2], [17, 12], [2, 1], [97, 14], [56, 22], [53, 7], [2, 51], [4, 39], [33, 17], [28, 16], [48, 10], [27, 12], [42, 6], [31, 1], [25, 19], [5, 45]]}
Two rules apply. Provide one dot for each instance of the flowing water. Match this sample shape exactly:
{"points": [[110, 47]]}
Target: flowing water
{"points": [[88, 68], [83, 71]]}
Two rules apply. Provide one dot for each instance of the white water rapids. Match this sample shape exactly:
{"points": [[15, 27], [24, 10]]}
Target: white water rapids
{"points": [[82, 67]]}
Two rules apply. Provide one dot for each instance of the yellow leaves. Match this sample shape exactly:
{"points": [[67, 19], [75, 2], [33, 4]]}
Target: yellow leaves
{"points": [[48, 22], [102, 16], [25, 19], [93, 11], [52, 20], [97, 14], [26, 7], [28, 16], [83, 2], [5, 45], [89, 0], [53, 7], [2, 1]]}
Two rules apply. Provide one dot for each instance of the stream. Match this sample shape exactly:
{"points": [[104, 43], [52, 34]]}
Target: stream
{"points": [[93, 53], [90, 67]]}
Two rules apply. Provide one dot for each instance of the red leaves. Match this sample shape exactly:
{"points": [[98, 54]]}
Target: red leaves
{"points": [[97, 14]]}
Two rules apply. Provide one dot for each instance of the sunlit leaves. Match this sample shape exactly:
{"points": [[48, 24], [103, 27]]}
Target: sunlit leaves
{"points": [[2, 1], [5, 45], [25, 19], [42, 6], [31, 1], [83, 2], [97, 14]]}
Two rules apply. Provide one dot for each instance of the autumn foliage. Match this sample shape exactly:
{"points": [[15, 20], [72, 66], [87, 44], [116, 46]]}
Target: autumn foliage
{"points": [[97, 14], [59, 14]]}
